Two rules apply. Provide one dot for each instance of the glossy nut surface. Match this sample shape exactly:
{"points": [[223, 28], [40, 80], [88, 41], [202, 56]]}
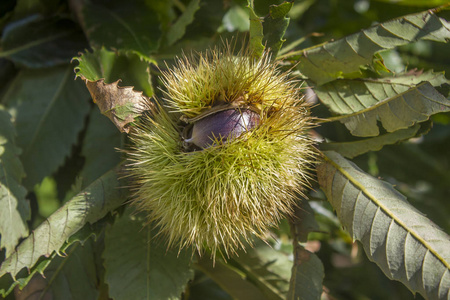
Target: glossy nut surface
{"points": [[221, 126]]}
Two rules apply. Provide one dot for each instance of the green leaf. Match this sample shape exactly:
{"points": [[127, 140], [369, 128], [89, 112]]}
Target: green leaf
{"points": [[230, 279], [355, 148], [398, 112], [418, 3], [110, 66], [120, 105], [37, 42], [405, 244], [307, 276], [14, 208], [72, 277], [49, 109], [346, 96], [343, 58], [267, 268], [307, 271], [102, 71], [139, 265], [275, 25], [303, 222], [89, 206], [204, 288], [236, 18], [25, 8], [99, 147], [47, 197], [23, 279], [126, 26], [179, 27], [256, 32]]}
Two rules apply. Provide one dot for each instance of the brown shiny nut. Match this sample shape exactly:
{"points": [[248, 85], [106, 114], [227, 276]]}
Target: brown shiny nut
{"points": [[221, 126]]}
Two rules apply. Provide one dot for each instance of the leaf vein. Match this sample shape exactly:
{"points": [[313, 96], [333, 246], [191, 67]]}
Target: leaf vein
{"points": [[369, 195], [49, 107], [35, 43], [127, 27]]}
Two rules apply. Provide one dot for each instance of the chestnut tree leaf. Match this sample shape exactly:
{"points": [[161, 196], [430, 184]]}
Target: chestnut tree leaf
{"points": [[99, 147], [405, 244], [178, 29], [401, 111], [307, 276], [70, 277], [120, 104], [24, 277], [133, 27], [103, 71], [346, 96], [111, 67], [303, 221], [15, 209], [275, 25], [230, 279], [344, 57], [307, 271], [87, 207], [267, 268], [355, 148], [37, 42], [139, 265], [256, 31], [48, 108]]}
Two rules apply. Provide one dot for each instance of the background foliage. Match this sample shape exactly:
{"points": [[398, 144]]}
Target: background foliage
{"points": [[382, 96]]}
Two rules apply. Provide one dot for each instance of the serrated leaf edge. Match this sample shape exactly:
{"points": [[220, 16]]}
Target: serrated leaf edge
{"points": [[387, 211]]}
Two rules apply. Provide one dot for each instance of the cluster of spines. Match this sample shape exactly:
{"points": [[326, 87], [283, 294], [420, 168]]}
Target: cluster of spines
{"points": [[219, 197]]}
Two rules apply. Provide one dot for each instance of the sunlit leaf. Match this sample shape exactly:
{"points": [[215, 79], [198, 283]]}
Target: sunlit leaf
{"points": [[405, 244], [25, 277], [355, 148], [416, 3], [256, 31], [70, 277], [138, 264], [398, 112], [343, 58], [108, 78], [178, 29], [236, 18], [120, 104], [275, 25], [48, 107], [88, 206], [110, 66], [346, 96], [15, 209]]}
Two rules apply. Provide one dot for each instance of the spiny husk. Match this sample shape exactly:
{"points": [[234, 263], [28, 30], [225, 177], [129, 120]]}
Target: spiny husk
{"points": [[220, 196]]}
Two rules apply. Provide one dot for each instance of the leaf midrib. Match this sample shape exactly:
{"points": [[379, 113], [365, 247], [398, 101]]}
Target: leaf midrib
{"points": [[387, 211], [384, 102], [46, 112], [35, 43], [127, 27]]}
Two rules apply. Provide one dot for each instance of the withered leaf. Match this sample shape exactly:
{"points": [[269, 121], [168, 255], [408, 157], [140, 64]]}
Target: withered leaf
{"points": [[120, 104]]}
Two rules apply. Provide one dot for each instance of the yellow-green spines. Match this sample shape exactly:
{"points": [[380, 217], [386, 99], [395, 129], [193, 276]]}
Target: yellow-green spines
{"points": [[217, 197]]}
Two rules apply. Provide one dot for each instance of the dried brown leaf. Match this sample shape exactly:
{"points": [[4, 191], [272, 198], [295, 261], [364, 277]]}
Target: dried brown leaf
{"points": [[120, 104]]}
